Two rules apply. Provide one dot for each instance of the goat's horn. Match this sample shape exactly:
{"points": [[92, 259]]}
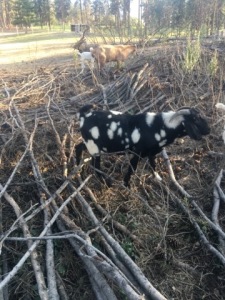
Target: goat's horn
{"points": [[180, 112]]}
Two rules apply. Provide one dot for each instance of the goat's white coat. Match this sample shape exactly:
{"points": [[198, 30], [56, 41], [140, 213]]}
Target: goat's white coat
{"points": [[113, 126], [110, 134], [135, 136], [162, 133], [86, 58], [162, 143], [81, 122], [95, 132], [88, 115], [157, 137], [115, 112], [120, 131], [174, 123], [150, 118], [92, 147]]}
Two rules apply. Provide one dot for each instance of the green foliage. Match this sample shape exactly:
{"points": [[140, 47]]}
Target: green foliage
{"points": [[24, 14], [192, 55], [43, 11], [128, 247], [62, 9], [213, 64]]}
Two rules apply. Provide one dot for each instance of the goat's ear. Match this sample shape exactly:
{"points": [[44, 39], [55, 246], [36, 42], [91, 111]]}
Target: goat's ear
{"points": [[192, 130]]}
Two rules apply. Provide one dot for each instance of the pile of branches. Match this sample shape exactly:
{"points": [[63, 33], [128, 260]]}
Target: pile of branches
{"points": [[48, 209]]}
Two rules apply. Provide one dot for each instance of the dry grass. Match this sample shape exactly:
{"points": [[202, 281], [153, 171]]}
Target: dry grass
{"points": [[160, 238]]}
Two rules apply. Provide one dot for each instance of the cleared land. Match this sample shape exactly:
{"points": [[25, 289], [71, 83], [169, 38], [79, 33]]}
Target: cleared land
{"points": [[156, 224], [28, 55]]}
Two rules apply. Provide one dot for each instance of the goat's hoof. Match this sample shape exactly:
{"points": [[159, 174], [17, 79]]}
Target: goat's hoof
{"points": [[157, 177], [108, 182], [126, 184]]}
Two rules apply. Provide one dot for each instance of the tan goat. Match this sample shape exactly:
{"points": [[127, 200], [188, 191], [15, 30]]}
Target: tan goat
{"points": [[107, 53]]}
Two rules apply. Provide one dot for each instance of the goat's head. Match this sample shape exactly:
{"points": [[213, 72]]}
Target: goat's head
{"points": [[194, 123]]}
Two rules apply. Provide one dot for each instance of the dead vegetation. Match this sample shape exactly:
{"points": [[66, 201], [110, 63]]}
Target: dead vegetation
{"points": [[64, 236]]}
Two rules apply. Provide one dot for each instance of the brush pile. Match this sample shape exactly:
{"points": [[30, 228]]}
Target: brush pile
{"points": [[64, 234]]}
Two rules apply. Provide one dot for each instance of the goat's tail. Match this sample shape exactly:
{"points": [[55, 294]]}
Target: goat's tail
{"points": [[85, 109]]}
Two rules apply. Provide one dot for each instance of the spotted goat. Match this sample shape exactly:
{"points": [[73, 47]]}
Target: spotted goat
{"points": [[143, 135]]}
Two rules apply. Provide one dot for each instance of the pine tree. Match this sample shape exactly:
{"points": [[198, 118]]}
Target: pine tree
{"points": [[24, 13]]}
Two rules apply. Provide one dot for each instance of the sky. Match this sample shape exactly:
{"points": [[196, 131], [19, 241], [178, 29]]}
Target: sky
{"points": [[134, 8]]}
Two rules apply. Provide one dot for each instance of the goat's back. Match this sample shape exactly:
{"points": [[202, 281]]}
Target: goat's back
{"points": [[113, 52]]}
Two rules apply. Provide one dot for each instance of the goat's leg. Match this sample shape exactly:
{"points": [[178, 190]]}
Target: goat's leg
{"points": [[79, 150], [132, 167], [96, 163], [152, 164], [82, 66]]}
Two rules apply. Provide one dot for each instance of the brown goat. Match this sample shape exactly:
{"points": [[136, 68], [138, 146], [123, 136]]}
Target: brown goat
{"points": [[107, 53]]}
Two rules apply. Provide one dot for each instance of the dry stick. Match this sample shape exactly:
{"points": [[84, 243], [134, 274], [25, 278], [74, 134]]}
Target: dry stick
{"points": [[132, 93], [17, 267], [188, 196], [91, 269], [71, 141], [120, 227], [4, 268], [37, 269], [188, 213], [60, 285], [128, 286], [13, 226], [103, 94], [202, 236], [115, 276], [52, 289], [117, 262], [221, 193], [142, 82], [215, 210], [34, 256], [185, 267], [91, 252], [52, 197], [59, 143], [134, 269], [218, 188], [100, 286], [37, 210], [50, 265], [18, 163], [76, 236], [116, 224]]}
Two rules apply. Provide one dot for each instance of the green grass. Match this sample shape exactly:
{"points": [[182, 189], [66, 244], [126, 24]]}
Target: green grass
{"points": [[66, 36]]}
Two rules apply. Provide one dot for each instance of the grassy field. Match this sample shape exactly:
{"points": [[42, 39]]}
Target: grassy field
{"points": [[38, 36], [27, 51]]}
